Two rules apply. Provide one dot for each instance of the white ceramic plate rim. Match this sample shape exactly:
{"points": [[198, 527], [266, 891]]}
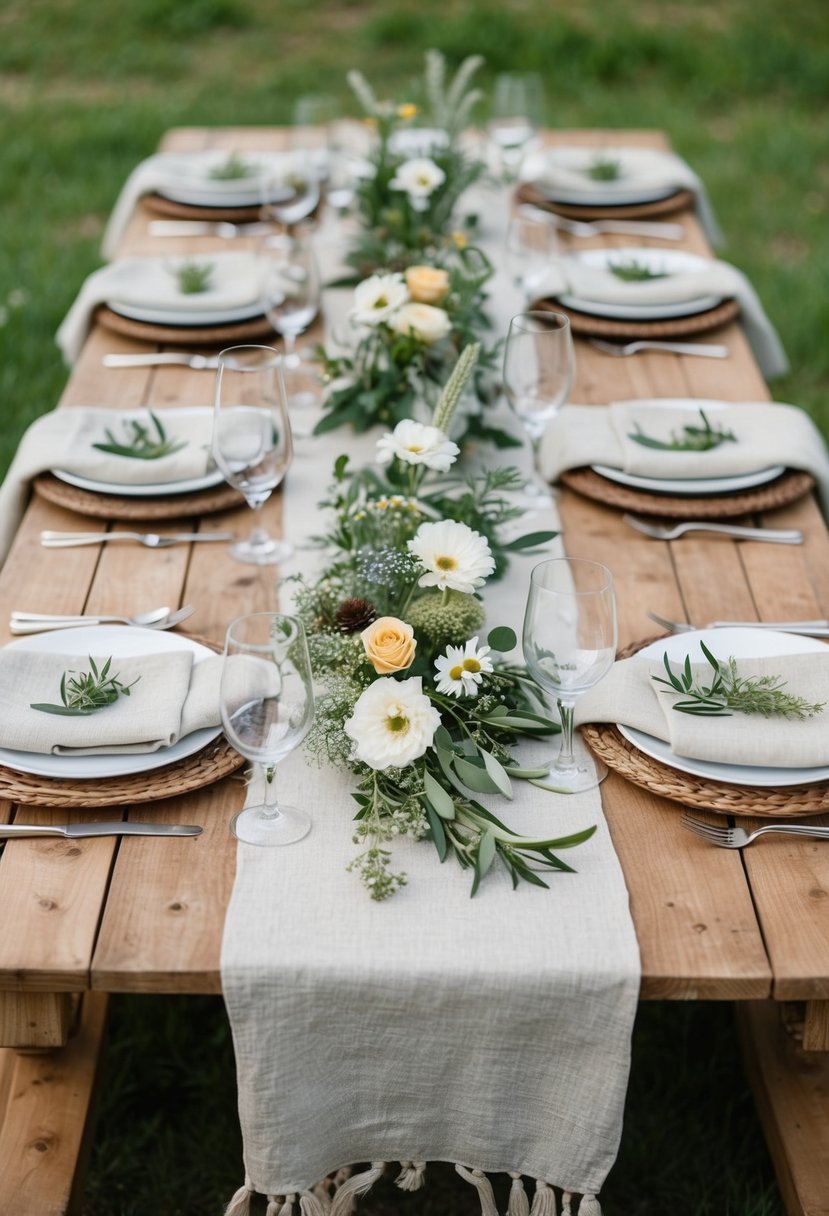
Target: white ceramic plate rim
{"points": [[120, 641], [187, 486], [691, 486], [741, 643], [641, 312], [180, 316], [598, 198], [672, 260]]}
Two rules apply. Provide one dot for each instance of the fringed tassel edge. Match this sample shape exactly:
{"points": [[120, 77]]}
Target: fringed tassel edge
{"points": [[345, 1199], [544, 1199], [483, 1186], [411, 1176], [240, 1203], [519, 1204]]}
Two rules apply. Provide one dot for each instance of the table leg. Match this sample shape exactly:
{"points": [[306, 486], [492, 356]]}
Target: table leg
{"points": [[36, 1020], [816, 1026]]}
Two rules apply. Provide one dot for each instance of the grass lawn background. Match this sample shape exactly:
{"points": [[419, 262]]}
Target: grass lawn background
{"points": [[87, 88]]}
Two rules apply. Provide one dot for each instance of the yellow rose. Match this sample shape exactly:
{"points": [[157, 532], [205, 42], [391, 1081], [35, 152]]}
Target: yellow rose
{"points": [[427, 284], [389, 644]]}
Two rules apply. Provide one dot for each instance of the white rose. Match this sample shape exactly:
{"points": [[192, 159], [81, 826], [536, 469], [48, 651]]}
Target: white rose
{"points": [[393, 723], [423, 320], [378, 298], [416, 443]]}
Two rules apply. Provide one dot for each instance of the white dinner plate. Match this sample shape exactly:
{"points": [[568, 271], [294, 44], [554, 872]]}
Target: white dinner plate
{"points": [[590, 197], [186, 179], [121, 642], [670, 261], [742, 644], [181, 316], [129, 490]]}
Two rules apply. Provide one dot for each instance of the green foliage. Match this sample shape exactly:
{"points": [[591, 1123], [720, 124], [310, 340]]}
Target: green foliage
{"points": [[84, 692], [138, 443], [693, 438], [728, 692]]}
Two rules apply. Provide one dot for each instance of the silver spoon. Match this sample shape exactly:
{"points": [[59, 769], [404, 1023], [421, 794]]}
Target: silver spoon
{"points": [[156, 618]]}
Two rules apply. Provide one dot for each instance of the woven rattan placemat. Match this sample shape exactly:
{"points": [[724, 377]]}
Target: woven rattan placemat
{"points": [[669, 327], [188, 211], [196, 335], [112, 506], [786, 489], [529, 193], [788, 802]]}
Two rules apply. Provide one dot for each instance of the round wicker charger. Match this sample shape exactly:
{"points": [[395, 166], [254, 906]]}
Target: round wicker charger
{"points": [[669, 327], [216, 760], [529, 193], [190, 211], [786, 489], [790, 802], [192, 335], [112, 506]]}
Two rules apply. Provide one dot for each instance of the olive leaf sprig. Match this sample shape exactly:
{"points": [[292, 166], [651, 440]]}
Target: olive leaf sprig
{"points": [[729, 692], [693, 438], [193, 277], [139, 442], [84, 692], [232, 169], [604, 169], [635, 272]]}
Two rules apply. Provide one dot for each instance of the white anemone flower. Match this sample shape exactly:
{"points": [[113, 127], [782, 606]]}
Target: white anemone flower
{"points": [[462, 669], [393, 723], [455, 558], [426, 322], [378, 298], [416, 443], [419, 178]]}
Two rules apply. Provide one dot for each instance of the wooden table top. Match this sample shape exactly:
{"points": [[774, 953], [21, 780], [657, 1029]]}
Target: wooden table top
{"points": [[146, 915]]}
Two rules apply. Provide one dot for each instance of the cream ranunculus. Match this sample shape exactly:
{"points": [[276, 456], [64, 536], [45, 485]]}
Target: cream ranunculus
{"points": [[417, 443], [427, 284], [389, 644], [393, 723], [378, 298], [425, 322]]}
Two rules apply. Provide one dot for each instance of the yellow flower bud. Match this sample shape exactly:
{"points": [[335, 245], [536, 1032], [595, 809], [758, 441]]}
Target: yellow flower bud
{"points": [[427, 284], [389, 644], [406, 111]]}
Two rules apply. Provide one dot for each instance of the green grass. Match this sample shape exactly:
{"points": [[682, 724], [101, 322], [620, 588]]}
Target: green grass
{"points": [[87, 90]]}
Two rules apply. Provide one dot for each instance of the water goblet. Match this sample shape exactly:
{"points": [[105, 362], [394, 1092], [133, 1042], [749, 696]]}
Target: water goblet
{"points": [[267, 707], [516, 115], [532, 240], [539, 366], [252, 443], [291, 300], [570, 635]]}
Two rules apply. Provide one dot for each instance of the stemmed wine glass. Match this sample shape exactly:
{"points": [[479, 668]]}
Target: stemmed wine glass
{"points": [[532, 241], [517, 114], [252, 442], [267, 707], [539, 366], [291, 297], [570, 636]]}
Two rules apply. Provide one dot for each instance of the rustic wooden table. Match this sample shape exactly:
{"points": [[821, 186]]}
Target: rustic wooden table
{"points": [[146, 915]]}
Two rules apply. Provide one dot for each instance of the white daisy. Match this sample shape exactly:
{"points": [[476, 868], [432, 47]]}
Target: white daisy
{"points": [[419, 178], [378, 298], [393, 723], [426, 322], [416, 443], [462, 669], [455, 557]]}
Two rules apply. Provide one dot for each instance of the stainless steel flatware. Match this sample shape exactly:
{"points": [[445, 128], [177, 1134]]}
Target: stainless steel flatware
{"points": [[778, 536], [222, 228], [156, 618], [738, 838], [817, 629], [199, 363], [150, 540], [675, 348], [8, 831], [665, 232]]}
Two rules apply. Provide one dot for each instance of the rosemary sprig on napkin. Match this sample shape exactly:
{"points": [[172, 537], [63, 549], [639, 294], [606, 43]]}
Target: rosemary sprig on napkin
{"points": [[193, 277], [604, 169], [693, 438], [139, 442], [635, 272], [729, 691], [232, 169], [84, 692]]}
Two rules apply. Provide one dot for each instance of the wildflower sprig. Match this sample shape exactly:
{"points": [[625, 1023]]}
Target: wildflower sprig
{"points": [[729, 692], [635, 272], [692, 439], [193, 277], [232, 169], [85, 692], [139, 443]]}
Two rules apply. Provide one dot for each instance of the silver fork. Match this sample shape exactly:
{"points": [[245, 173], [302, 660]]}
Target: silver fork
{"points": [[779, 536], [816, 628], [738, 838], [665, 232], [150, 540], [676, 348]]}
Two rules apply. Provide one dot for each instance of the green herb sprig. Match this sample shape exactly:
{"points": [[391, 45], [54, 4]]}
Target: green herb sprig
{"points": [[692, 439], [139, 443], [604, 169], [193, 277], [729, 692], [635, 272], [232, 169], [84, 692]]}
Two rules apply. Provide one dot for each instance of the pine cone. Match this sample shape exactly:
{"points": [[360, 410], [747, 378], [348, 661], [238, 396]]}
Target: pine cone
{"points": [[354, 615]]}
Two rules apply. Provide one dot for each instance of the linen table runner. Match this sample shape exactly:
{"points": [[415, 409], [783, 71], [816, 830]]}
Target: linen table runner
{"points": [[493, 1033]]}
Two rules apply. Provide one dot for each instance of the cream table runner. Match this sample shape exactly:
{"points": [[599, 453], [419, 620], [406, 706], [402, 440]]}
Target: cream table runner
{"points": [[493, 1033]]}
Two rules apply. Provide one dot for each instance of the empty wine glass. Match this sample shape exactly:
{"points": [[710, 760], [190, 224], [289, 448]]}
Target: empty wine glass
{"points": [[532, 240], [516, 115], [291, 301], [539, 365], [570, 636], [313, 117], [292, 197], [252, 442], [267, 707]]}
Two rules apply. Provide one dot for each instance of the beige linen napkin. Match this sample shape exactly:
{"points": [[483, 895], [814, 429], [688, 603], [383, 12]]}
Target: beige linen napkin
{"points": [[572, 276], [768, 433], [176, 171], [150, 282], [566, 169], [173, 697], [64, 439], [632, 698]]}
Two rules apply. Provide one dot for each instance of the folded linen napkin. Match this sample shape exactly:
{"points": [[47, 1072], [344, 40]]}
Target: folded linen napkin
{"points": [[767, 434], [631, 697], [566, 169], [64, 439], [175, 172], [573, 276], [173, 697], [150, 282]]}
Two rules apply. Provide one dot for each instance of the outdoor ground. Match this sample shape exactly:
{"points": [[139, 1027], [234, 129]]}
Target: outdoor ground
{"points": [[87, 88]]}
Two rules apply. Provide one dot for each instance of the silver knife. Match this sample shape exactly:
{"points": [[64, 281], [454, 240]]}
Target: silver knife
{"points": [[199, 363], [150, 540], [221, 228], [116, 828]]}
